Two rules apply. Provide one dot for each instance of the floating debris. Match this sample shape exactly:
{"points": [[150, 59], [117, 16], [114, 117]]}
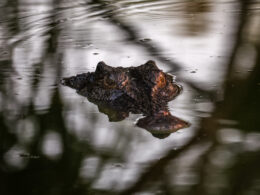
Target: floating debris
{"points": [[84, 45], [25, 155], [119, 165], [145, 40]]}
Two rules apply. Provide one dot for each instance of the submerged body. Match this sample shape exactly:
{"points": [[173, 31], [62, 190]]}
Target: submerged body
{"points": [[140, 90]]}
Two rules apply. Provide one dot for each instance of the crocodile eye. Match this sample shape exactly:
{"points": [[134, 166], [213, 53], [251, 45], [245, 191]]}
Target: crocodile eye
{"points": [[109, 82], [162, 80]]}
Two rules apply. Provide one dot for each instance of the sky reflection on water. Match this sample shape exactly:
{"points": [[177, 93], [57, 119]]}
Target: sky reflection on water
{"points": [[59, 140]]}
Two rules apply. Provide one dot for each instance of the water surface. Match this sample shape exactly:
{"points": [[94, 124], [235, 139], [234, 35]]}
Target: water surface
{"points": [[53, 141]]}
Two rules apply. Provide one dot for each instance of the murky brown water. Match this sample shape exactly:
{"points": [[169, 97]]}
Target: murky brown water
{"points": [[53, 141]]}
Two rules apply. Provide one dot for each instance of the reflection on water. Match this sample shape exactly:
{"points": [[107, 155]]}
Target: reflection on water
{"points": [[53, 141]]}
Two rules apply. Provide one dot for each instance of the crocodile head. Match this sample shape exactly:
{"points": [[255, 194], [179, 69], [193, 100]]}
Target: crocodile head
{"points": [[144, 89]]}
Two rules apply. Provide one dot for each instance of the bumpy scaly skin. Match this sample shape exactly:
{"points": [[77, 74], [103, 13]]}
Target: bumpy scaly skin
{"points": [[144, 89]]}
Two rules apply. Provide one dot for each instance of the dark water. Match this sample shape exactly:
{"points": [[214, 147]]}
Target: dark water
{"points": [[53, 141]]}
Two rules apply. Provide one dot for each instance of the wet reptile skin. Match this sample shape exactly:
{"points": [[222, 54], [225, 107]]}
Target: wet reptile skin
{"points": [[144, 89]]}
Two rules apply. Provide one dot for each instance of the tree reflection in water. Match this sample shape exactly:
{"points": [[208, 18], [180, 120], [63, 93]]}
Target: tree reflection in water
{"points": [[47, 148]]}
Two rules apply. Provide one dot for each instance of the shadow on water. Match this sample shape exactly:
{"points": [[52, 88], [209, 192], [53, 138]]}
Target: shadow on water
{"points": [[53, 143]]}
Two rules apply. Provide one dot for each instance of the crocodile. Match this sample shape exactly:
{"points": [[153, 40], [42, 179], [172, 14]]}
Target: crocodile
{"points": [[118, 91]]}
